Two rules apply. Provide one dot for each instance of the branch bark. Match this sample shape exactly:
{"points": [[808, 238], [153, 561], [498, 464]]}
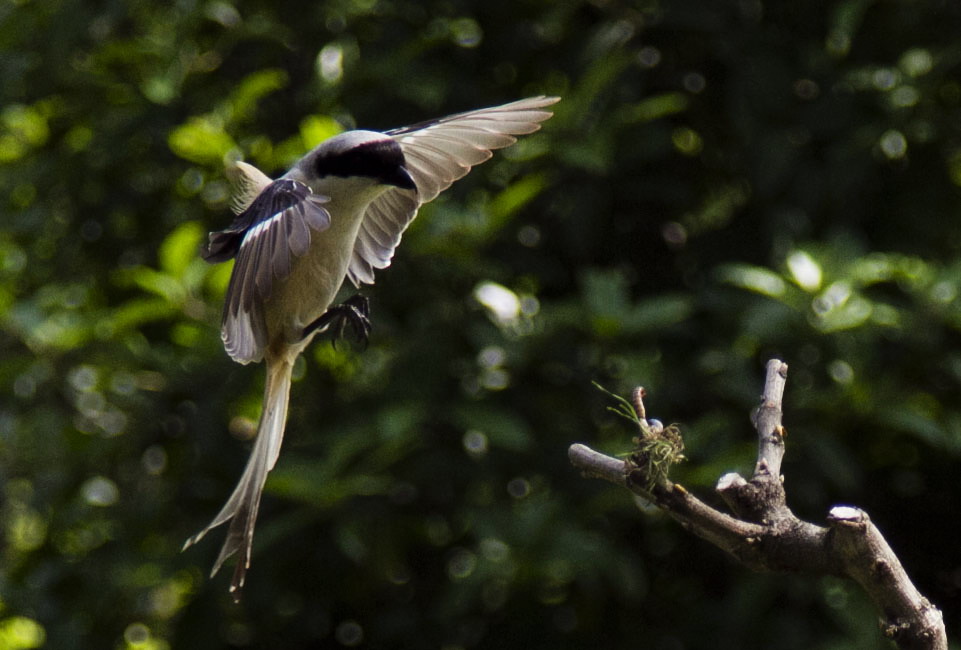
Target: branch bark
{"points": [[764, 534]]}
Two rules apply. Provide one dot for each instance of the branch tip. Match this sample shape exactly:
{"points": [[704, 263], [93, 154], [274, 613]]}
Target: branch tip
{"points": [[637, 400], [847, 515]]}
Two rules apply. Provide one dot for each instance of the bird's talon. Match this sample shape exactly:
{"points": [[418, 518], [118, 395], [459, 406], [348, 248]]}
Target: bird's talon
{"points": [[355, 311]]}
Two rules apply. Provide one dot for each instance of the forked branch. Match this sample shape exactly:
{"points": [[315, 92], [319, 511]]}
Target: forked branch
{"points": [[763, 533]]}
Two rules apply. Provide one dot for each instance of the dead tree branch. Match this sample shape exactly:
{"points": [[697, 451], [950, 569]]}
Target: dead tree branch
{"points": [[764, 534]]}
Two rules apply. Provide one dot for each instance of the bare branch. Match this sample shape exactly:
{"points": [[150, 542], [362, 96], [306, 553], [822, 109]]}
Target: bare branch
{"points": [[767, 421], [718, 528], [909, 618], [597, 465], [764, 534]]}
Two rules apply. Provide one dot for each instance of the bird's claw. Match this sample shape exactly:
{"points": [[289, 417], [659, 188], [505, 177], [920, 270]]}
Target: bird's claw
{"points": [[355, 311]]}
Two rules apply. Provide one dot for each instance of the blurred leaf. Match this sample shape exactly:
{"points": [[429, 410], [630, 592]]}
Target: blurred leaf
{"points": [[139, 311], [658, 313], [514, 197], [839, 308], [314, 129], [654, 108], [21, 633], [180, 248], [156, 282], [21, 128], [753, 278], [604, 293], [252, 89], [201, 140]]}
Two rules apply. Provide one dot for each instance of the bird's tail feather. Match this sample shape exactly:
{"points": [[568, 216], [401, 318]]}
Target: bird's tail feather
{"points": [[241, 508]]}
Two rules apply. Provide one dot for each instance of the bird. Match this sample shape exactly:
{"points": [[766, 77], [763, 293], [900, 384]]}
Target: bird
{"points": [[337, 214]]}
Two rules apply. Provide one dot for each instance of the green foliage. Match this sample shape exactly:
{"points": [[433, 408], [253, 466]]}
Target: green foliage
{"points": [[21, 633], [723, 182]]}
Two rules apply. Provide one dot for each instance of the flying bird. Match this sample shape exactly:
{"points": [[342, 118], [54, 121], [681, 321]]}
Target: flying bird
{"points": [[338, 213]]}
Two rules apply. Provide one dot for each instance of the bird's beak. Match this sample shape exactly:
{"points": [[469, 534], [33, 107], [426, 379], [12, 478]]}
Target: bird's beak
{"points": [[401, 178]]}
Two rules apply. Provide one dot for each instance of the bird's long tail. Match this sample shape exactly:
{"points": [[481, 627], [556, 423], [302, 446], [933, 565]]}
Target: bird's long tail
{"points": [[241, 507]]}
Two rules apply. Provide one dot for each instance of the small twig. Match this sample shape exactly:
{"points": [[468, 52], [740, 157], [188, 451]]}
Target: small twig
{"points": [[637, 398], [767, 421], [762, 499], [766, 535]]}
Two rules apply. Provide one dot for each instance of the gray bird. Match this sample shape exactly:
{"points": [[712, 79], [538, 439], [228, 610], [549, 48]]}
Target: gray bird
{"points": [[338, 213]]}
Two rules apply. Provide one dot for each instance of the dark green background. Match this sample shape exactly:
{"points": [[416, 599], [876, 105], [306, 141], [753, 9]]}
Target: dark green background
{"points": [[724, 182]]}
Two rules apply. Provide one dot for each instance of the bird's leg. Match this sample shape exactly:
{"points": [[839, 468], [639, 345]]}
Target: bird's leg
{"points": [[355, 311]]}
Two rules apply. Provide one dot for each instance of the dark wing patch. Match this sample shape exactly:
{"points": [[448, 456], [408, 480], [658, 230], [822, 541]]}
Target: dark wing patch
{"points": [[263, 239]]}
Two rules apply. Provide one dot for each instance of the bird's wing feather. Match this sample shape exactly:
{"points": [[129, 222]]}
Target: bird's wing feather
{"points": [[275, 226], [436, 154]]}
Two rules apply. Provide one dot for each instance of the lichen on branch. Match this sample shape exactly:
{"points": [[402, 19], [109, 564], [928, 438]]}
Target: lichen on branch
{"points": [[656, 447]]}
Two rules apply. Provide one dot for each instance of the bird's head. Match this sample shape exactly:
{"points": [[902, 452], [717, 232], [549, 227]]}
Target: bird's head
{"points": [[357, 154]]}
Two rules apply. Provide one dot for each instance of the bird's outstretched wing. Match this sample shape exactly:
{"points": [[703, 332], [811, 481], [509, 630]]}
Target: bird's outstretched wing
{"points": [[437, 153], [275, 227]]}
